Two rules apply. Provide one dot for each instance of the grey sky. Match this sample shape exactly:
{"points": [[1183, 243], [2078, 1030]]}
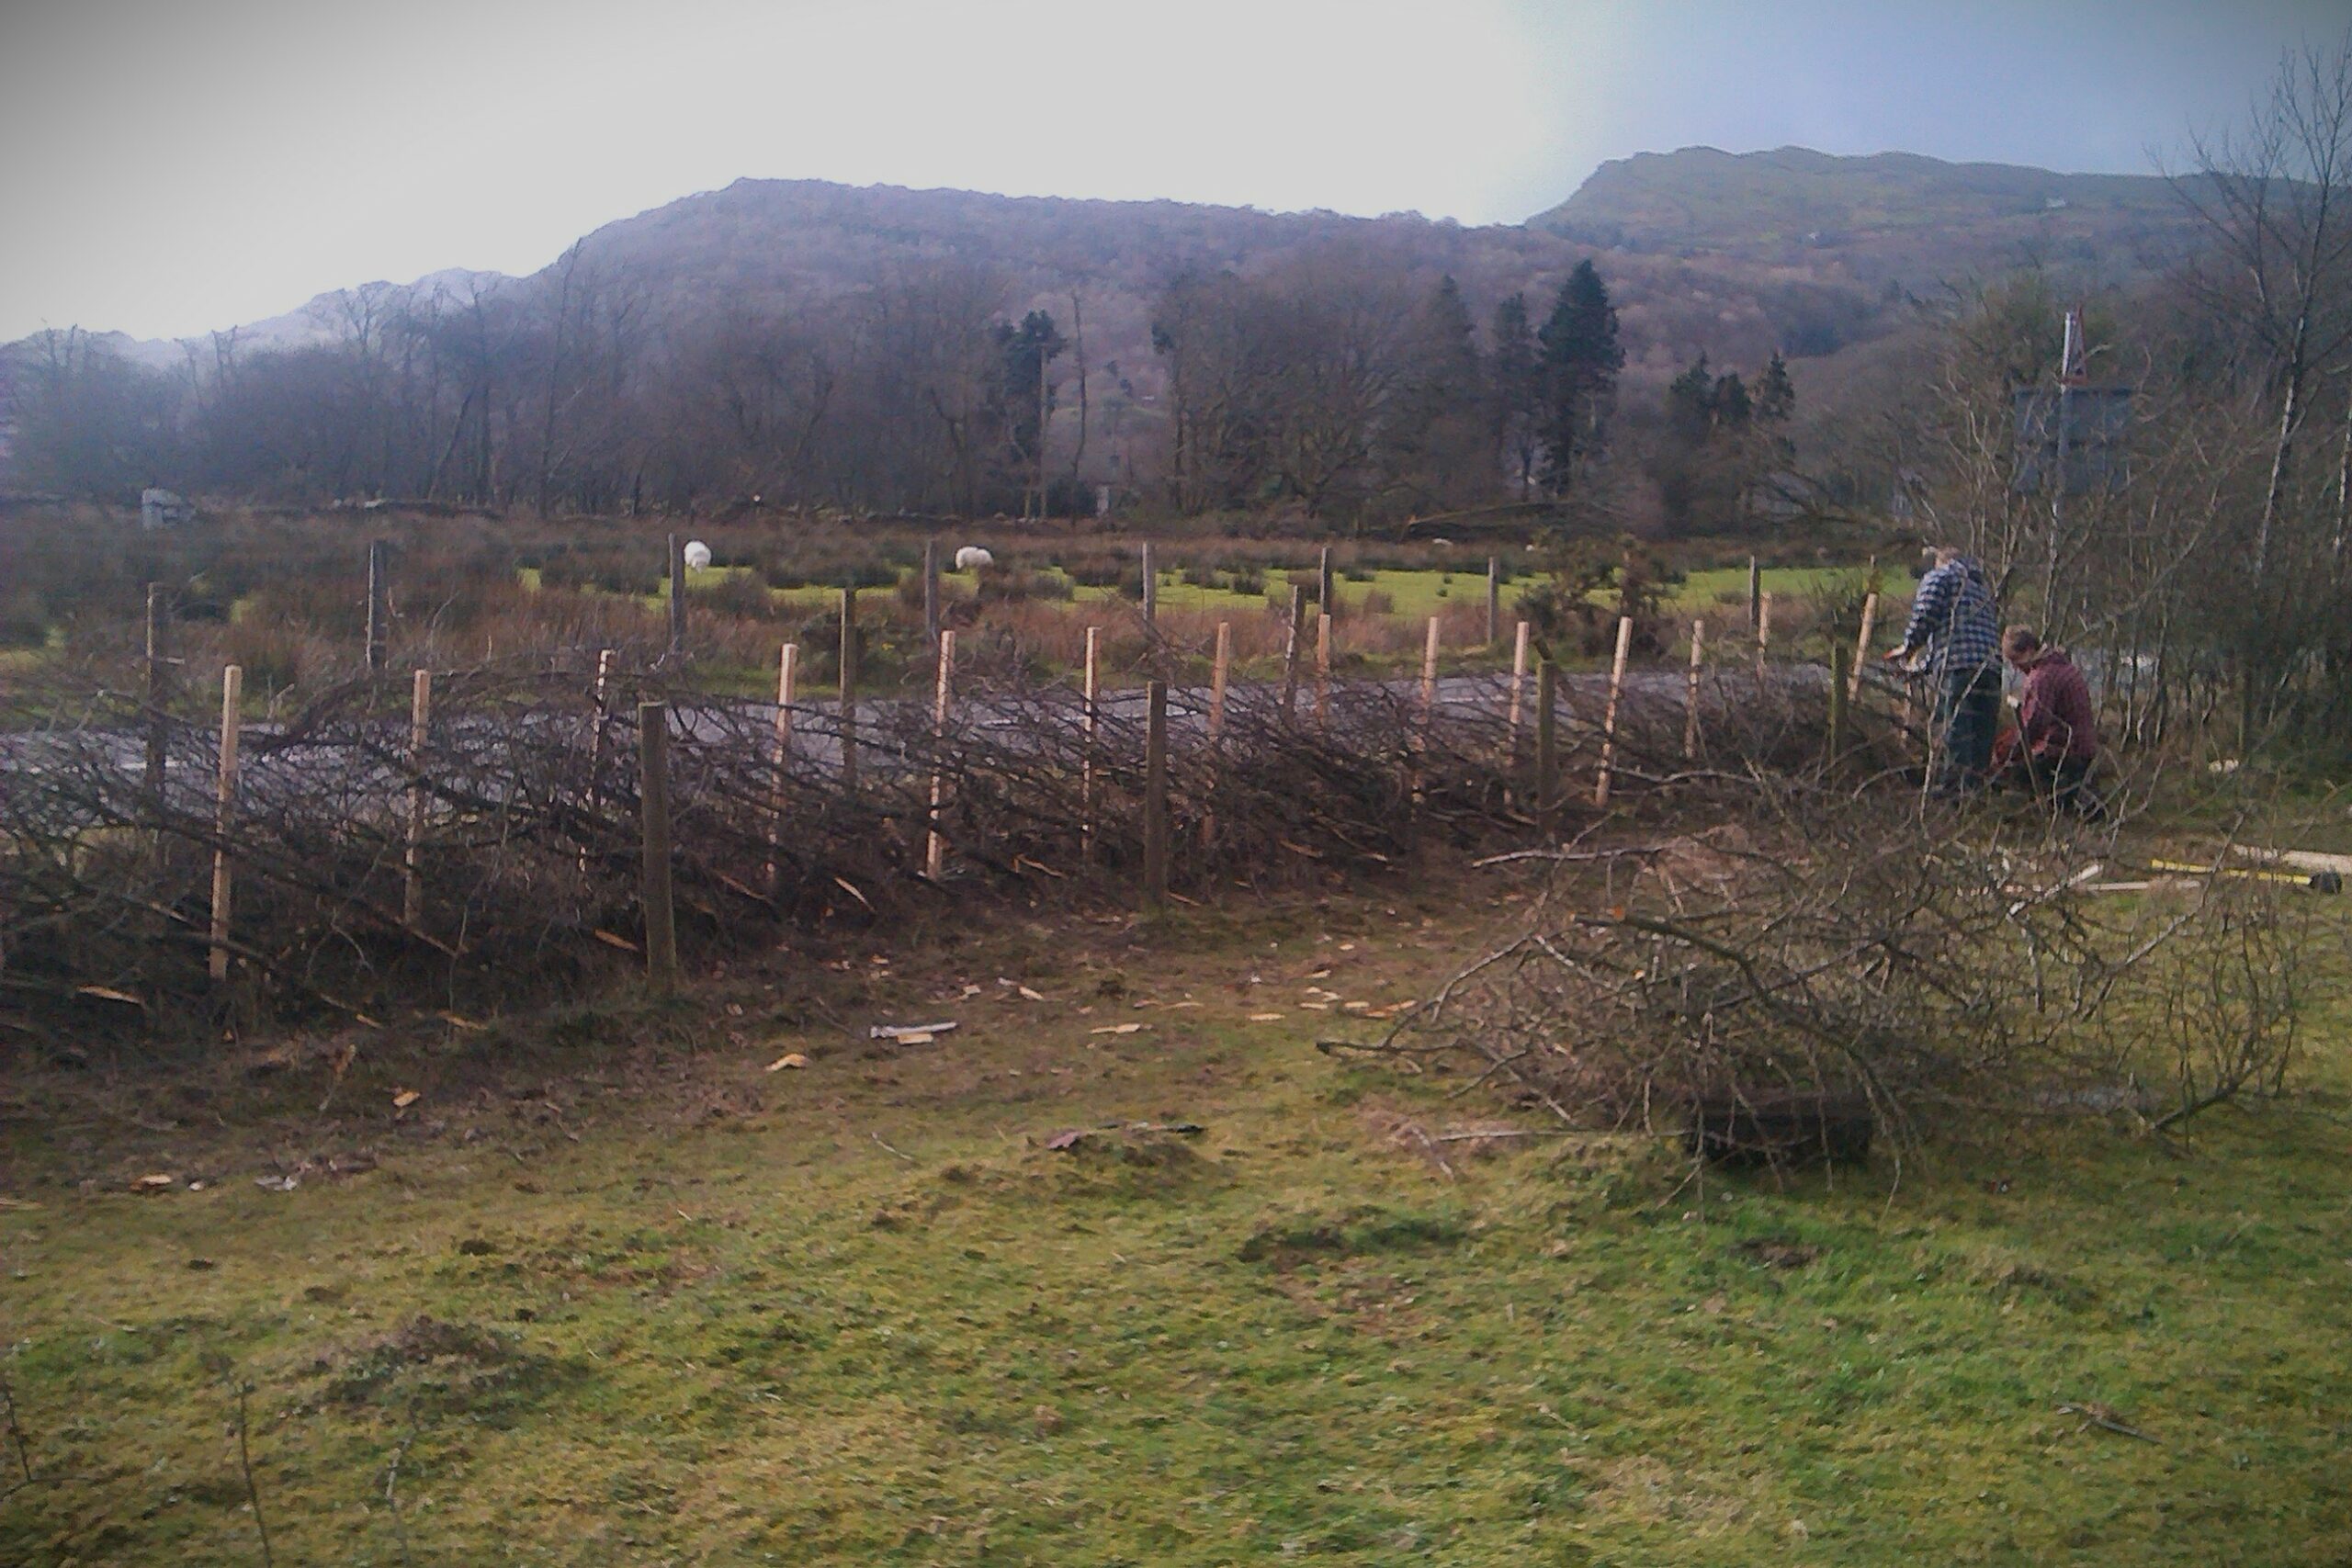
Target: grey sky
{"points": [[169, 166]]}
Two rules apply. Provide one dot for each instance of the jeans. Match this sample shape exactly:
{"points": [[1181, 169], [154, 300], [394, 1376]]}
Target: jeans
{"points": [[1968, 710]]}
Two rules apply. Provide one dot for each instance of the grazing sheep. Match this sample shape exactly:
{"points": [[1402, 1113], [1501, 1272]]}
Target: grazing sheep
{"points": [[697, 555], [971, 558]]}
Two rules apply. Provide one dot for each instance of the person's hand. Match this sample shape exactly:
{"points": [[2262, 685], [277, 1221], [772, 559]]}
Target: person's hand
{"points": [[1895, 655]]}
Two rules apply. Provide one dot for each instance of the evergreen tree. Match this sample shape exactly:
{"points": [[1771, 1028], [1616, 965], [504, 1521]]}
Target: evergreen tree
{"points": [[1690, 401], [1022, 352], [1580, 360], [1517, 406], [1776, 397], [1434, 440], [1729, 403]]}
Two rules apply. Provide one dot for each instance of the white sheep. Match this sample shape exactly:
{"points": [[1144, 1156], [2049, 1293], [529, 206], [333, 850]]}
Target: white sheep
{"points": [[971, 558], [697, 555]]}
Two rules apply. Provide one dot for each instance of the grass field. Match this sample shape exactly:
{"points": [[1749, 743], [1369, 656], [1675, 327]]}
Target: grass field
{"points": [[609, 1291]]}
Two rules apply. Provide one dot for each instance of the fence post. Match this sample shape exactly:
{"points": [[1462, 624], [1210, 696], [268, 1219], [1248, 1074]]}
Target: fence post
{"points": [[1155, 794], [1428, 672], [1763, 635], [420, 720], [678, 595], [1324, 589], [1609, 714], [1221, 668], [1323, 669], [653, 794], [788, 682], [1494, 600], [1517, 683], [224, 816], [931, 592], [1089, 721], [1547, 741], [934, 855], [1837, 662], [1862, 646], [157, 680], [849, 690], [596, 745], [1755, 594], [1691, 696], [376, 606], [1151, 589], [1295, 635]]}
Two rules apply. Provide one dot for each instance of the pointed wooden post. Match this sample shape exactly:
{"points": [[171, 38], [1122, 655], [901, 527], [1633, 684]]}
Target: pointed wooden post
{"points": [[1609, 714], [1428, 673], [1220, 667], [1494, 600], [787, 684], [1862, 646], [1691, 695], [1089, 723], [1293, 639], [1755, 593], [158, 698], [224, 815], [1763, 636], [1155, 794], [849, 691], [1325, 592], [378, 609], [934, 855], [604, 702], [653, 795], [1518, 682], [1150, 589], [420, 722], [1547, 742]]}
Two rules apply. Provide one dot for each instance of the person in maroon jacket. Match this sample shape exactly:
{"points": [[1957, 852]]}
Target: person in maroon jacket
{"points": [[2056, 737]]}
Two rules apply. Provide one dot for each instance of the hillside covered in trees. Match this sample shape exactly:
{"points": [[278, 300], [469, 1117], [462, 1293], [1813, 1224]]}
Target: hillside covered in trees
{"points": [[888, 349]]}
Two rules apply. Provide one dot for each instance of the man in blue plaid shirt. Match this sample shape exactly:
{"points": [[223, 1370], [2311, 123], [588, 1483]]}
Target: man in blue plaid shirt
{"points": [[1955, 637]]}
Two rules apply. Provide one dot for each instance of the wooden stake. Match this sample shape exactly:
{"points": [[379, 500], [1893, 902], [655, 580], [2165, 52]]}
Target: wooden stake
{"points": [[1763, 635], [1429, 673], [1150, 589], [1220, 667], [420, 722], [1691, 696], [654, 792], [788, 689], [1325, 592], [1155, 794], [1862, 646], [678, 595], [1494, 600], [1547, 740], [596, 743], [1755, 594], [849, 690], [1323, 669], [1295, 636], [934, 855], [1609, 714], [1518, 682], [224, 815], [377, 609], [158, 694], [1089, 720]]}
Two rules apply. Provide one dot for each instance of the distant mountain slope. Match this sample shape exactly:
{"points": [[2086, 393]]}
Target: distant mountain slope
{"points": [[1895, 216]]}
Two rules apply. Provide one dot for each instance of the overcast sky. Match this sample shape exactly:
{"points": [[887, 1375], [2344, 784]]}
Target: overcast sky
{"points": [[169, 166]]}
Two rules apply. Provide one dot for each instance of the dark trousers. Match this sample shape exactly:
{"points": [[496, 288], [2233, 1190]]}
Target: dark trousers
{"points": [[1968, 710], [2064, 783]]}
